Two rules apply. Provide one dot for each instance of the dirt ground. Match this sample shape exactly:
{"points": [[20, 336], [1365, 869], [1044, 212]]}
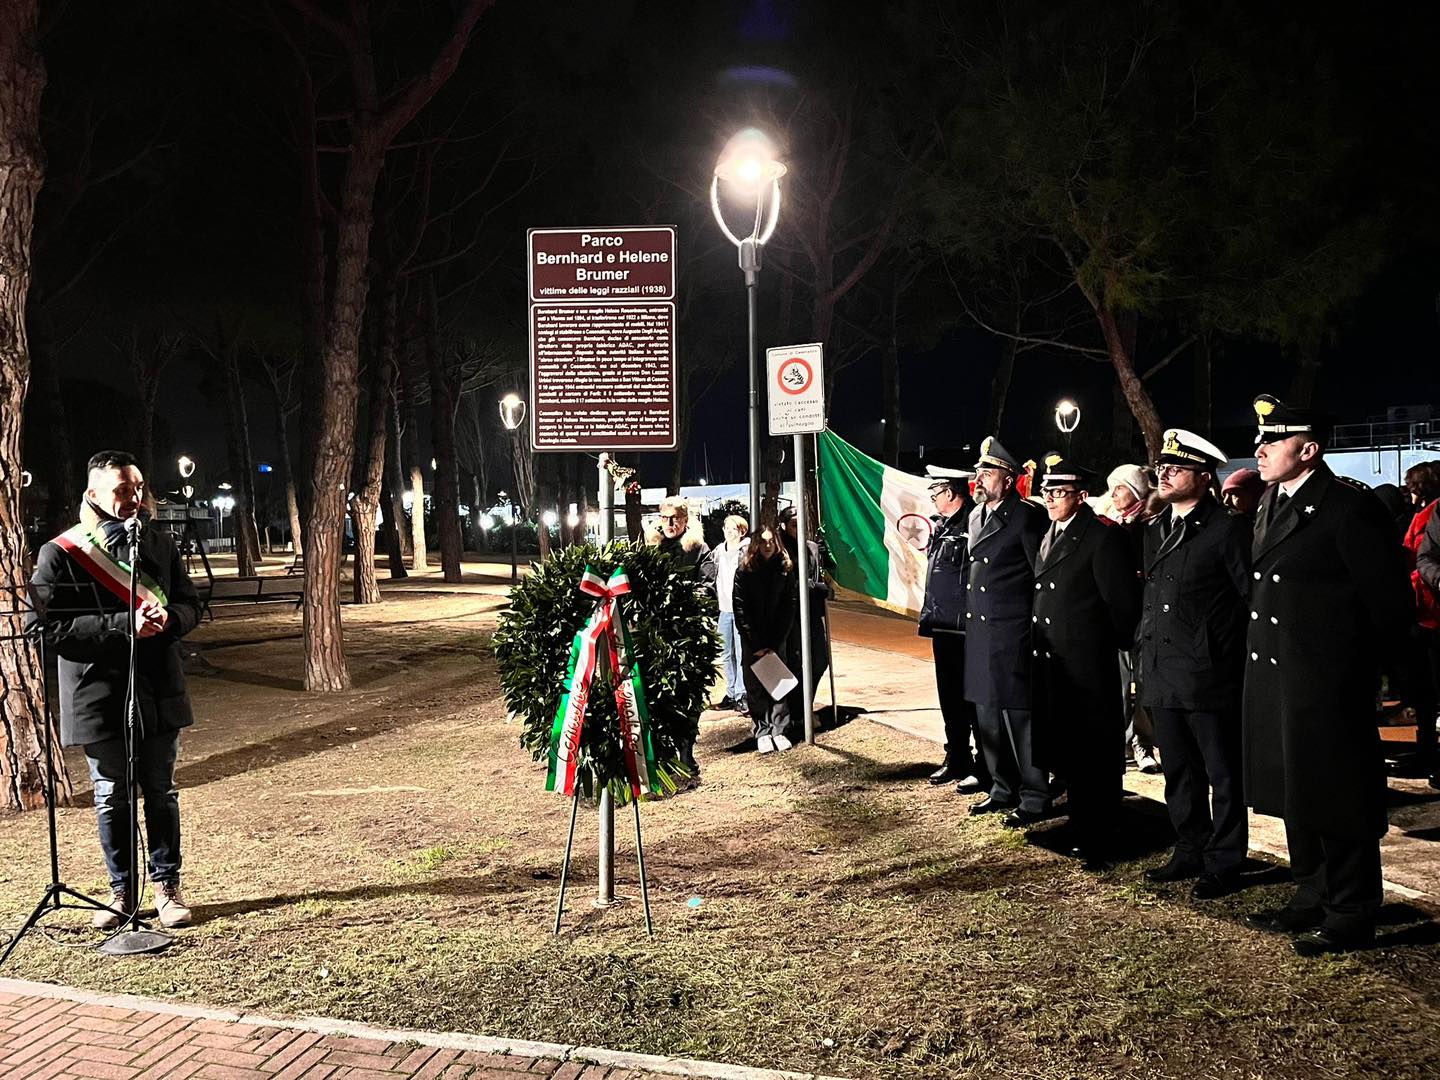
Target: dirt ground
{"points": [[389, 855]]}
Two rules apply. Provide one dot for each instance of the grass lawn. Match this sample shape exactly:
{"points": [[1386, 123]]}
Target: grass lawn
{"points": [[390, 855]]}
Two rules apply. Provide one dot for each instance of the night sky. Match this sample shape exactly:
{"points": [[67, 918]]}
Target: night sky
{"points": [[613, 115]]}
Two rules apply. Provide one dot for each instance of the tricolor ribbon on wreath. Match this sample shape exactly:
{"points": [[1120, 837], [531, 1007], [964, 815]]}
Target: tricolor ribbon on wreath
{"points": [[605, 630]]}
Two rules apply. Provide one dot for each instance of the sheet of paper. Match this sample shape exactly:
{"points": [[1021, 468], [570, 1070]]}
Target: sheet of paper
{"points": [[777, 679]]}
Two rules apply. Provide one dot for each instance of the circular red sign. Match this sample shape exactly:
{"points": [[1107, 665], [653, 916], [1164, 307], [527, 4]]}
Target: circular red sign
{"points": [[780, 376]]}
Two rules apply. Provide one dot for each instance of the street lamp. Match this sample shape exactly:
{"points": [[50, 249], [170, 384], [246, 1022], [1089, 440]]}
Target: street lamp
{"points": [[1067, 419], [750, 173], [222, 503], [512, 415], [186, 467]]}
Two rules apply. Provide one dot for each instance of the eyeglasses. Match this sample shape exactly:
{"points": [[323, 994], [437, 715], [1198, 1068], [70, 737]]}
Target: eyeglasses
{"points": [[1166, 472], [1056, 494], [669, 517]]}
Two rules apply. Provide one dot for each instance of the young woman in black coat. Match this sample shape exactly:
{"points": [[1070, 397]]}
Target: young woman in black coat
{"points": [[764, 601]]}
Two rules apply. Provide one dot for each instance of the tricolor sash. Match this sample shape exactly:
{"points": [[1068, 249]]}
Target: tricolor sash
{"points": [[82, 546], [605, 629]]}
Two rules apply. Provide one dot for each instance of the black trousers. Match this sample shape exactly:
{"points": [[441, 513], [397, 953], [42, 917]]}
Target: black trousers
{"points": [[1094, 772], [1339, 874], [1200, 753], [1005, 738], [959, 714]]}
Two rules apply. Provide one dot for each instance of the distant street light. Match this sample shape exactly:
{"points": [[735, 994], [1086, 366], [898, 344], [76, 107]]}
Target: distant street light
{"points": [[222, 504], [1067, 419], [512, 415], [750, 172], [186, 467]]}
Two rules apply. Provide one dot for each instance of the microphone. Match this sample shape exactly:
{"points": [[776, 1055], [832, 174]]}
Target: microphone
{"points": [[132, 529]]}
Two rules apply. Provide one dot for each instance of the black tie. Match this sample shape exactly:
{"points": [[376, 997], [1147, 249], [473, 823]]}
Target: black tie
{"points": [[1281, 501]]}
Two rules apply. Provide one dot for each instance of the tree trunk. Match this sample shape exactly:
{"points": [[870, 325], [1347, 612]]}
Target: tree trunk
{"points": [[237, 446], [444, 401], [1120, 344], [22, 170], [682, 430], [145, 443], [418, 553], [890, 388], [1202, 389], [287, 476], [1000, 387], [394, 480], [477, 495], [1306, 377], [62, 509], [365, 507]]}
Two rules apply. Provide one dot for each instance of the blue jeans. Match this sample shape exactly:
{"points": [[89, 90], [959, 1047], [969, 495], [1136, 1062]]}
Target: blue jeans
{"points": [[155, 774], [731, 657]]}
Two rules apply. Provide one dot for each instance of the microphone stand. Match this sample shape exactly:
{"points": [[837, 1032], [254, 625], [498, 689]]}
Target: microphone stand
{"points": [[133, 937]]}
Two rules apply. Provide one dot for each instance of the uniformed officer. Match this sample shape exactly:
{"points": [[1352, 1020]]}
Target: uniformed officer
{"points": [[1087, 602], [1329, 597], [1004, 534], [1192, 660], [942, 620]]}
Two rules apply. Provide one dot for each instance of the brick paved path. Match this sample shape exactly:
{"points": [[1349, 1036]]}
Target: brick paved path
{"points": [[44, 1036]]}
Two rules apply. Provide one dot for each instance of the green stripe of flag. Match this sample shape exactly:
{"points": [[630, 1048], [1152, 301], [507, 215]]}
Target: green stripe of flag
{"points": [[850, 490]]}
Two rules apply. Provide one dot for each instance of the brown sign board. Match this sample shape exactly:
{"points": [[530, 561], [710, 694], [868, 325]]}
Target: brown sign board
{"points": [[602, 339]]}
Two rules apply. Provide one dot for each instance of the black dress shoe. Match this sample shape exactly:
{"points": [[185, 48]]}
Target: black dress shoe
{"points": [[1174, 870], [945, 773], [1325, 939], [989, 805], [1214, 886], [1092, 861], [1286, 920], [1020, 818], [972, 784]]}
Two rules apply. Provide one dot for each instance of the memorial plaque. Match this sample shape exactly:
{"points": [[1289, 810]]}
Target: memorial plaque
{"points": [[602, 339]]}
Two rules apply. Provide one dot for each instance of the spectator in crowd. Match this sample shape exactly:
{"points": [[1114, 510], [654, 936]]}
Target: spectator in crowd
{"points": [[1004, 541], [1422, 484], [789, 532], [942, 620], [1192, 652], [1241, 493], [722, 563], [1087, 602], [1329, 600], [1130, 502], [678, 536], [765, 599]]}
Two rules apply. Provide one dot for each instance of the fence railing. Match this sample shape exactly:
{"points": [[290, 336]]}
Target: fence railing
{"points": [[1402, 433]]}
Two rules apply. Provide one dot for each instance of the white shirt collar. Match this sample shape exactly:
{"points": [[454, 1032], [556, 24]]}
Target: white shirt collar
{"points": [[1290, 487], [1061, 526]]}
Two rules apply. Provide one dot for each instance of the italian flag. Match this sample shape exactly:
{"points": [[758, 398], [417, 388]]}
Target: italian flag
{"points": [[877, 525]]}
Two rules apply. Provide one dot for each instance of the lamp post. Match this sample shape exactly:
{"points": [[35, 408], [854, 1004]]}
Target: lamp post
{"points": [[512, 415], [1067, 419], [750, 173]]}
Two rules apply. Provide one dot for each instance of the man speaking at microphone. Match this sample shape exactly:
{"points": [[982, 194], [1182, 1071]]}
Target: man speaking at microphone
{"points": [[82, 578]]}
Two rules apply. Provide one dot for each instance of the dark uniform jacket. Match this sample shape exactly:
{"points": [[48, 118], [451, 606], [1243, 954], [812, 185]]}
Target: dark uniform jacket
{"points": [[94, 648], [1087, 602], [999, 597], [946, 573], [1329, 596], [1191, 644]]}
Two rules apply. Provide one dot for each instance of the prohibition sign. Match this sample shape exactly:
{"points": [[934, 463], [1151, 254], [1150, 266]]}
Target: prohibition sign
{"points": [[791, 379]]}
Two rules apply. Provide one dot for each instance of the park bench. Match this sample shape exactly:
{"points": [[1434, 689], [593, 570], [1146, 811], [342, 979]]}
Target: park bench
{"points": [[251, 590]]}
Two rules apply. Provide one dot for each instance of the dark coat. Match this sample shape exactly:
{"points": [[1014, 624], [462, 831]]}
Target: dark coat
{"points": [[765, 600], [1329, 597], [946, 573], [1191, 644], [819, 594], [999, 597], [94, 650], [1087, 602]]}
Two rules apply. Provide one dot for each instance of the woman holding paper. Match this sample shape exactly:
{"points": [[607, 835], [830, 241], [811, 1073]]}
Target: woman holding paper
{"points": [[764, 596]]}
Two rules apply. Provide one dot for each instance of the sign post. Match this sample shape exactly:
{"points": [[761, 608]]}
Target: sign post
{"points": [[796, 398], [602, 371]]}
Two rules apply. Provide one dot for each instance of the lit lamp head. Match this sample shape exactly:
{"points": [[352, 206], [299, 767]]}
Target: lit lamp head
{"points": [[186, 466], [1067, 416], [750, 171], [512, 411]]}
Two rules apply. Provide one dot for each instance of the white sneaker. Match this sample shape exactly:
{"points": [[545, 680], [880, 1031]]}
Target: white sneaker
{"points": [[170, 906], [782, 743], [1146, 761], [765, 744]]}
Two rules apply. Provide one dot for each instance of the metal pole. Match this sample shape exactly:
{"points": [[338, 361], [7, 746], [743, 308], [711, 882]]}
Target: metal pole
{"points": [[606, 891], [825, 622], [802, 551], [565, 866], [750, 264], [640, 857], [514, 471]]}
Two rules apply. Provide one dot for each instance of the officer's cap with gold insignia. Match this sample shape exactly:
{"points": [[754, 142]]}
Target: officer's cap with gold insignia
{"points": [[995, 456], [1183, 447], [941, 477], [1061, 472], [1274, 421]]}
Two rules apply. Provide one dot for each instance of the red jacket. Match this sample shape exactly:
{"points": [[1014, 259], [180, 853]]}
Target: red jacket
{"points": [[1426, 602]]}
